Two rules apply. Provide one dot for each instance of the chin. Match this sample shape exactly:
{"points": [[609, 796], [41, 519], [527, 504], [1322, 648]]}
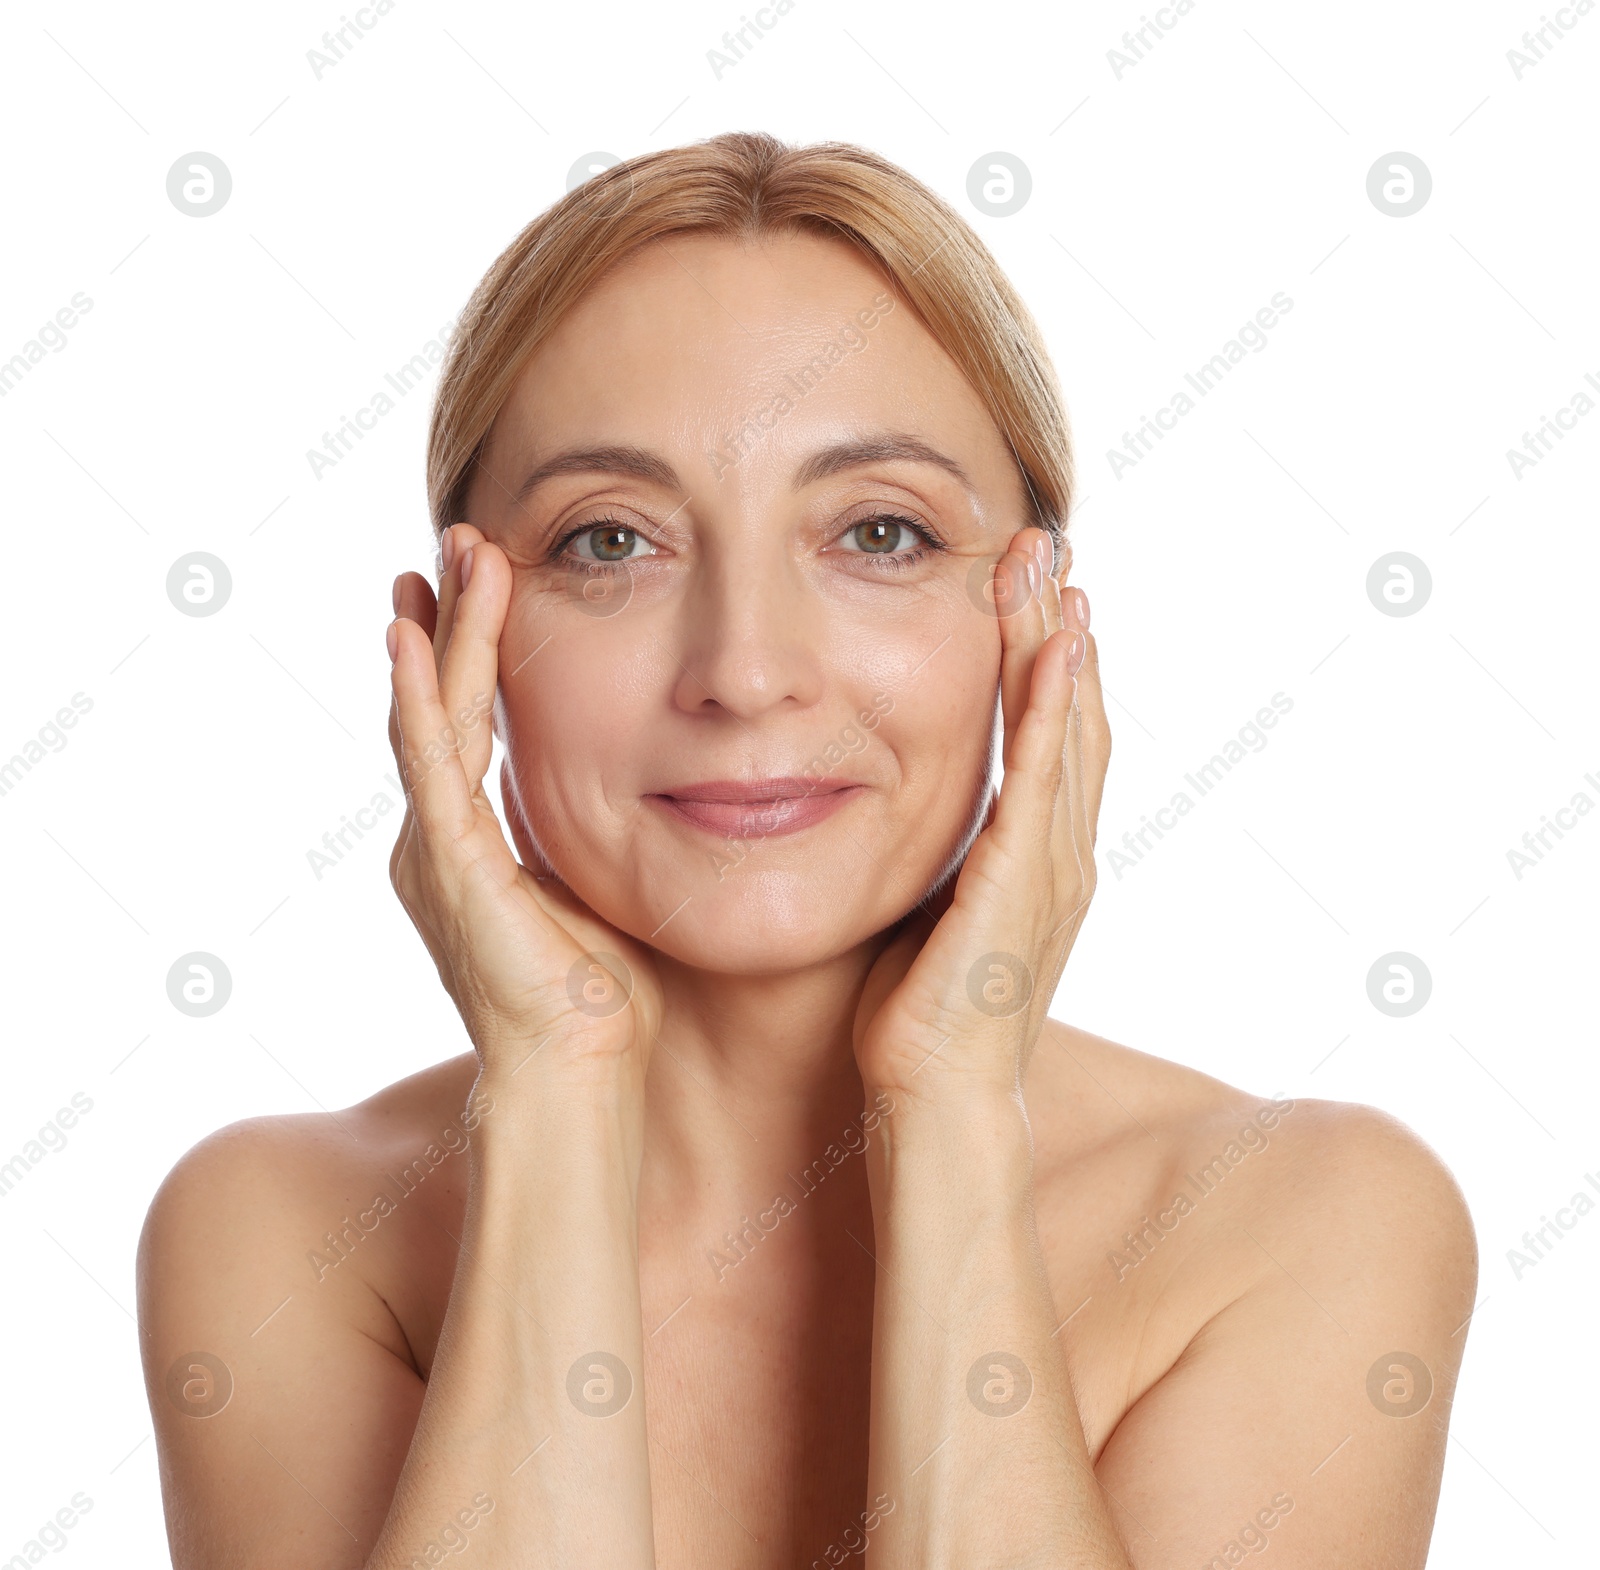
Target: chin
{"points": [[780, 906], [764, 923]]}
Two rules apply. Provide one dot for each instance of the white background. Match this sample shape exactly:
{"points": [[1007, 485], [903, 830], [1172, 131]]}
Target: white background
{"points": [[1167, 207]]}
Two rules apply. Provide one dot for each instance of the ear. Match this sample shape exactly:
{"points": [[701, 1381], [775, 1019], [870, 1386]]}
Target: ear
{"points": [[528, 851]]}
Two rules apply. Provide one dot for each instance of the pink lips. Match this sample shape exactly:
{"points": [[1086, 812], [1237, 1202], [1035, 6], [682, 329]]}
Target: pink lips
{"points": [[756, 809]]}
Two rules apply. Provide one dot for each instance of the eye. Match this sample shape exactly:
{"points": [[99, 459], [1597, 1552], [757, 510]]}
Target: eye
{"points": [[888, 535], [605, 541]]}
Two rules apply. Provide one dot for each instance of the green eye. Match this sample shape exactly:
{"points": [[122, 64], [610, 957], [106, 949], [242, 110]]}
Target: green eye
{"points": [[608, 542], [881, 536], [611, 544]]}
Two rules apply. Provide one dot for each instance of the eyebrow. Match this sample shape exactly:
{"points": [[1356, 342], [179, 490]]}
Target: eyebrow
{"points": [[638, 462]]}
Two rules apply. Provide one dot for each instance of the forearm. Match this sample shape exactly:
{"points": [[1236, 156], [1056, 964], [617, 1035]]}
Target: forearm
{"points": [[975, 1433], [535, 1397]]}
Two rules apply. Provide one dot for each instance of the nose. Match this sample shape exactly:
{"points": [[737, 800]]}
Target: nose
{"points": [[751, 633]]}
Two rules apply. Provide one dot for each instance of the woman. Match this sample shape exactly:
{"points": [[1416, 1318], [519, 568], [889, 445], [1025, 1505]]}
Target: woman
{"points": [[771, 1221]]}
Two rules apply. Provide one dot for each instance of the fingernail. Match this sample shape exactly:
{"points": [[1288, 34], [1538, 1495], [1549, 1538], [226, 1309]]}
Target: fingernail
{"points": [[1081, 601], [392, 638], [396, 596], [447, 547], [1044, 549], [466, 566], [1075, 650]]}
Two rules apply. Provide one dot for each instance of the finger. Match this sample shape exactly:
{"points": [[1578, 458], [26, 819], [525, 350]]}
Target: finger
{"points": [[436, 787], [454, 544], [1072, 845], [1027, 812], [414, 599], [471, 665], [1050, 584], [1019, 584], [1095, 733]]}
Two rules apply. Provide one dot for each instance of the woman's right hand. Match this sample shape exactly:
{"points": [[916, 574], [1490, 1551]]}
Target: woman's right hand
{"points": [[520, 955]]}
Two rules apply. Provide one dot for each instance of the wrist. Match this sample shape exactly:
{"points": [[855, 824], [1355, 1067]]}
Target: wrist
{"points": [[977, 1143], [545, 1109]]}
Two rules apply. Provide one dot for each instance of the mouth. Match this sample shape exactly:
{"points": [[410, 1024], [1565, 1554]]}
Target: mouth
{"points": [[756, 809]]}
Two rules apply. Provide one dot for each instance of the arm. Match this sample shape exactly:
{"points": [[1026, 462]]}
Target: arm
{"points": [[535, 1397], [977, 1453], [1310, 1415], [527, 1443], [976, 1438]]}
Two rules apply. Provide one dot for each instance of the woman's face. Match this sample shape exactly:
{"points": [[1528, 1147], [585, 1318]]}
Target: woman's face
{"points": [[748, 676]]}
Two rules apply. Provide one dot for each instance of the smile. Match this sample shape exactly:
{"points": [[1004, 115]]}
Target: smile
{"points": [[756, 809]]}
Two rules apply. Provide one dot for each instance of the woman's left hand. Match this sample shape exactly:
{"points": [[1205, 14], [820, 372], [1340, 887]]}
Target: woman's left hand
{"points": [[955, 1004]]}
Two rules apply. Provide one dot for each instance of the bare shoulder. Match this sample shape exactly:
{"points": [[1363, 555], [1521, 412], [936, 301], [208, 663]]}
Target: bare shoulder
{"points": [[287, 1271], [1355, 1173], [1295, 1274], [265, 1166], [1168, 1200], [239, 1212]]}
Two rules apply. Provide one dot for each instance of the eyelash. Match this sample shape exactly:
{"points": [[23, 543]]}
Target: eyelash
{"points": [[559, 550], [900, 561], [883, 563]]}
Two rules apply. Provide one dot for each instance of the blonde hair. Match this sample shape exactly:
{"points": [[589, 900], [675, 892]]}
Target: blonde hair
{"points": [[750, 185]]}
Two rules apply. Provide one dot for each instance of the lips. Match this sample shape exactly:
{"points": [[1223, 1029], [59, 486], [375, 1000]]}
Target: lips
{"points": [[756, 809]]}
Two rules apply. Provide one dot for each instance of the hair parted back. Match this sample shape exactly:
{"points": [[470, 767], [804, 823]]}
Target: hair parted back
{"points": [[751, 185]]}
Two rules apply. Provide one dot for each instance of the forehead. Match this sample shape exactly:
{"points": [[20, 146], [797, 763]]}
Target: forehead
{"points": [[698, 341]]}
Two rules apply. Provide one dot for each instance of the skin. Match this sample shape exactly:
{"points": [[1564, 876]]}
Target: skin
{"points": [[805, 1394]]}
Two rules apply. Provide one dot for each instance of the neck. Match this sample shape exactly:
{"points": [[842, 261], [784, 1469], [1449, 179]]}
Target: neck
{"points": [[752, 1074]]}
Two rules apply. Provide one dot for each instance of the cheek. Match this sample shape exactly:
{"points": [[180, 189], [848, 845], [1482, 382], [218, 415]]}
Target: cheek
{"points": [[573, 702]]}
